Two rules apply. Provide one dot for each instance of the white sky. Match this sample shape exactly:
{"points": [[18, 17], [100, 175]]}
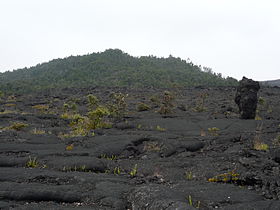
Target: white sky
{"points": [[233, 37]]}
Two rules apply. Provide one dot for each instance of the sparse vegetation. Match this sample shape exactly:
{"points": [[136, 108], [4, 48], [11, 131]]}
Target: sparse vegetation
{"points": [[112, 157], [157, 143], [143, 107], [36, 131], [43, 108], [92, 102], [69, 147], [257, 142], [11, 99], [260, 146], [117, 170], [85, 125], [32, 163], [261, 101], [8, 112], [200, 103], [133, 172], [214, 131], [257, 117], [189, 175], [158, 128], [229, 177], [155, 100], [191, 203], [152, 147], [117, 108], [18, 126], [190, 200], [10, 105], [263, 107], [167, 103], [70, 107]]}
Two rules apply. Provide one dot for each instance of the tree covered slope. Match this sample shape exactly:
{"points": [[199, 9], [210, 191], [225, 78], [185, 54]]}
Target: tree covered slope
{"points": [[110, 68]]}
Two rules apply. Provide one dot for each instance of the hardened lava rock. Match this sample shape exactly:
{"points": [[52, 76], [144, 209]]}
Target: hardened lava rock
{"points": [[247, 98]]}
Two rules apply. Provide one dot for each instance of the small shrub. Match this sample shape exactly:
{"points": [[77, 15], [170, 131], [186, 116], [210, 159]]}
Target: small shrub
{"points": [[79, 125], [32, 163], [263, 106], [96, 118], [200, 103], [92, 101], [155, 100], [261, 101], [257, 117], [70, 107], [41, 107], [214, 131], [143, 107], [260, 146], [167, 105], [18, 126], [85, 125], [118, 106], [191, 203], [257, 142], [69, 147], [229, 177], [158, 128], [11, 98], [38, 131], [66, 116], [112, 157], [7, 112], [117, 171], [189, 175], [190, 200], [152, 146], [10, 105], [133, 172]]}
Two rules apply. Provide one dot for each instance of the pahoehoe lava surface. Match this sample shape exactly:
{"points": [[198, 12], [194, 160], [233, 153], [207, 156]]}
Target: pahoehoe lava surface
{"points": [[191, 158]]}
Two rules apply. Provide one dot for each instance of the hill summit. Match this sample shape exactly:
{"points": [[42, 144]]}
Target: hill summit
{"points": [[112, 67]]}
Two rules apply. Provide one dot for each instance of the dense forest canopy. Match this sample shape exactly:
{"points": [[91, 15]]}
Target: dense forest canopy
{"points": [[111, 68]]}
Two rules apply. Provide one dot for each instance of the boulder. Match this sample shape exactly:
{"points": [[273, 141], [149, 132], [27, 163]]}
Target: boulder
{"points": [[247, 98]]}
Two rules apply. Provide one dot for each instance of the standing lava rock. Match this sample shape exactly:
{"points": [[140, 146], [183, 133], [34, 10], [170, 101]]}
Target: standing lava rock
{"points": [[247, 98]]}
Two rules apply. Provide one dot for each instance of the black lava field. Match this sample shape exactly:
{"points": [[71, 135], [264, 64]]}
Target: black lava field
{"points": [[166, 149]]}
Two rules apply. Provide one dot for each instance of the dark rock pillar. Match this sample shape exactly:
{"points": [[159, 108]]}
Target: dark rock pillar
{"points": [[247, 98]]}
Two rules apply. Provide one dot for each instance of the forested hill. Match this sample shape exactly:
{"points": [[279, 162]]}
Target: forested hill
{"points": [[110, 68]]}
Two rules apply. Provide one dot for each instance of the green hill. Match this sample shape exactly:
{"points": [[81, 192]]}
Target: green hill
{"points": [[110, 68]]}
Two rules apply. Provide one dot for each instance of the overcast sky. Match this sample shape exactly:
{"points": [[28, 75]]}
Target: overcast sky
{"points": [[233, 37]]}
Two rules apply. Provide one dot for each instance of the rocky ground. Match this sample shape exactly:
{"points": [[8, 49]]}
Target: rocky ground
{"points": [[197, 155]]}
